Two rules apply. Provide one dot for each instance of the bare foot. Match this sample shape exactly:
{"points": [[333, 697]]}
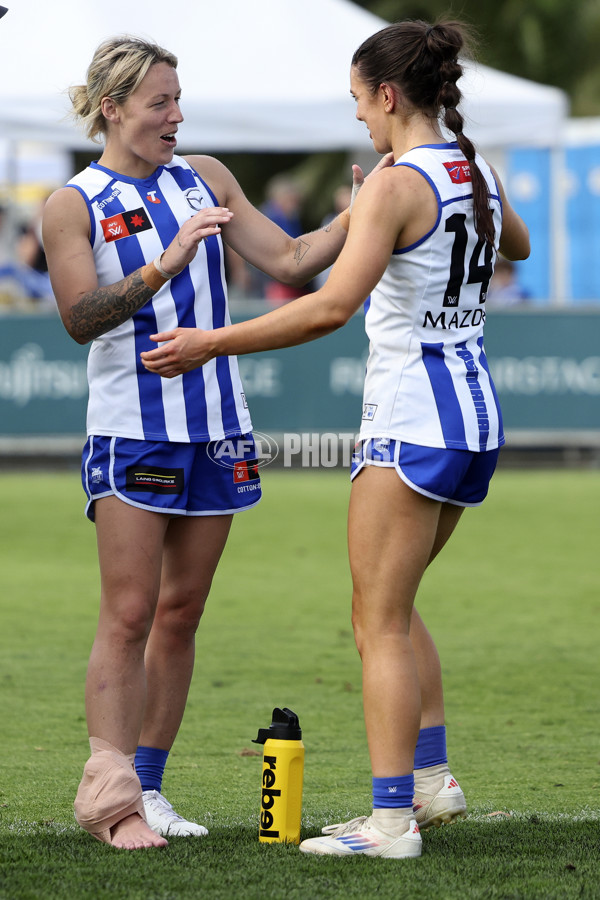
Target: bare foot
{"points": [[132, 833]]}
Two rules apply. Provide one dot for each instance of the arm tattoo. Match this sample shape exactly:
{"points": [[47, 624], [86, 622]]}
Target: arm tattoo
{"points": [[302, 249], [107, 307]]}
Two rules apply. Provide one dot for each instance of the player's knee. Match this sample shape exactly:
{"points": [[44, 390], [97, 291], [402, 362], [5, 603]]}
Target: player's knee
{"points": [[178, 617], [372, 625], [130, 624]]}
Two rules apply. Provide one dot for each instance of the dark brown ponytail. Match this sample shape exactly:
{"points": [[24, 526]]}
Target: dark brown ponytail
{"points": [[422, 60]]}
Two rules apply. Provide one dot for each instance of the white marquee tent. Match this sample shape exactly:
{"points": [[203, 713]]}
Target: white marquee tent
{"points": [[256, 76]]}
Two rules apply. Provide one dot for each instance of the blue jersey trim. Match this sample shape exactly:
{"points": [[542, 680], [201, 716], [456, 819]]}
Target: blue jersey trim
{"points": [[447, 145], [439, 205], [129, 179], [203, 182], [457, 199], [88, 203]]}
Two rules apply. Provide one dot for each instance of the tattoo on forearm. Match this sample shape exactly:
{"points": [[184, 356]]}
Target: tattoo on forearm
{"points": [[107, 307], [302, 249]]}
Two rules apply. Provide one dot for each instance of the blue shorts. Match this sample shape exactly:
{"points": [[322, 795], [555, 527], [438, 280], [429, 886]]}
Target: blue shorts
{"points": [[461, 477], [205, 479]]}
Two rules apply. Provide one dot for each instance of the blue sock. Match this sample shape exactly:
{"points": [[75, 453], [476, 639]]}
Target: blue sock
{"points": [[395, 792], [150, 765], [431, 747]]}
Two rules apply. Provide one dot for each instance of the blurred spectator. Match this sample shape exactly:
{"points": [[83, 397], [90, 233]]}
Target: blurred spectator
{"points": [[32, 258], [23, 268], [9, 287], [282, 206], [341, 201], [30, 250], [243, 280], [5, 237], [505, 290]]}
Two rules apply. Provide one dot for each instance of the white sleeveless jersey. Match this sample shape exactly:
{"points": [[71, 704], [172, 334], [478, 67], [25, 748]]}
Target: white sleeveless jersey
{"points": [[427, 379], [132, 221]]}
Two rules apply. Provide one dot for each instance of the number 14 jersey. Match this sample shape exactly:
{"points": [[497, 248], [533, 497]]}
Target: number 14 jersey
{"points": [[427, 379]]}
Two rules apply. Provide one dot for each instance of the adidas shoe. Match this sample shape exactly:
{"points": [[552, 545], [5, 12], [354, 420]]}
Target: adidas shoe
{"points": [[441, 808], [163, 819], [361, 836]]}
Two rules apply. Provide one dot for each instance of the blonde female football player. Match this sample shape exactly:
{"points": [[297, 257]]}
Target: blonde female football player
{"points": [[423, 238], [134, 246]]}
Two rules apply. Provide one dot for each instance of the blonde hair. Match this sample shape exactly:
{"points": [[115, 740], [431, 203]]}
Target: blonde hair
{"points": [[116, 70]]}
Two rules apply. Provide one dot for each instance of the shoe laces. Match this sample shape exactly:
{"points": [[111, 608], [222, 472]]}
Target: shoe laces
{"points": [[346, 827], [161, 805]]}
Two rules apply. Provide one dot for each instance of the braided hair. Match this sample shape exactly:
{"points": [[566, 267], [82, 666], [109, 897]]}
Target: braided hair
{"points": [[422, 60]]}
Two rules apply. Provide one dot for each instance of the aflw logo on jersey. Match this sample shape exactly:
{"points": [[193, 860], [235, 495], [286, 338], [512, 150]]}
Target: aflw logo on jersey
{"points": [[125, 224], [459, 172]]}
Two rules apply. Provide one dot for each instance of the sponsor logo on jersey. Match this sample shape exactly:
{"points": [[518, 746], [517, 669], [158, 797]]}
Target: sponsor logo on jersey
{"points": [[152, 198], [464, 318], [125, 224], [369, 410], [194, 198], [102, 203], [154, 480], [245, 470], [459, 172]]}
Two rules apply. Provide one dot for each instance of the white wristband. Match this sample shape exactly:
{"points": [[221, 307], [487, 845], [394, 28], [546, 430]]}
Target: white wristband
{"points": [[160, 269]]}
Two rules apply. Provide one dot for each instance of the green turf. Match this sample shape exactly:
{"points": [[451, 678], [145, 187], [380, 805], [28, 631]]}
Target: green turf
{"points": [[514, 606]]}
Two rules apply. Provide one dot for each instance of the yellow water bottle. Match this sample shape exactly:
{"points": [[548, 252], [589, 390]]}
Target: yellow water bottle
{"points": [[282, 777]]}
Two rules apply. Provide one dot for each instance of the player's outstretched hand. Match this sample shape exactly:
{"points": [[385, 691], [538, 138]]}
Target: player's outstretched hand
{"points": [[181, 350]]}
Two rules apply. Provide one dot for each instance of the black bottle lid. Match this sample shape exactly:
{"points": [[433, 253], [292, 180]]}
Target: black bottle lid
{"points": [[284, 727]]}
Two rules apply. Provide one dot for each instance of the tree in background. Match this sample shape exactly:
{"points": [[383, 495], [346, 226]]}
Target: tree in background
{"points": [[548, 41]]}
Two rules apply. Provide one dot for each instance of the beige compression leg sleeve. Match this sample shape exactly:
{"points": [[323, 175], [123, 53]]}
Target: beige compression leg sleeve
{"points": [[109, 790]]}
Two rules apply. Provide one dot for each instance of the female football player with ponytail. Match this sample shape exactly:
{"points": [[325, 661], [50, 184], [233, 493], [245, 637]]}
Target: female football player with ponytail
{"points": [[424, 235]]}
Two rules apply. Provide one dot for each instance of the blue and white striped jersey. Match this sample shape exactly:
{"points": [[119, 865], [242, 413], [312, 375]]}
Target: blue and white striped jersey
{"points": [[132, 221], [427, 378]]}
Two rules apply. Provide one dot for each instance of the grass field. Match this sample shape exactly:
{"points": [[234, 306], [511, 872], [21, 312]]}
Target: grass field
{"points": [[514, 605]]}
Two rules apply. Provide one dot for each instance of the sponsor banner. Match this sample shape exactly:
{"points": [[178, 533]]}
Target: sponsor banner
{"points": [[546, 366]]}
